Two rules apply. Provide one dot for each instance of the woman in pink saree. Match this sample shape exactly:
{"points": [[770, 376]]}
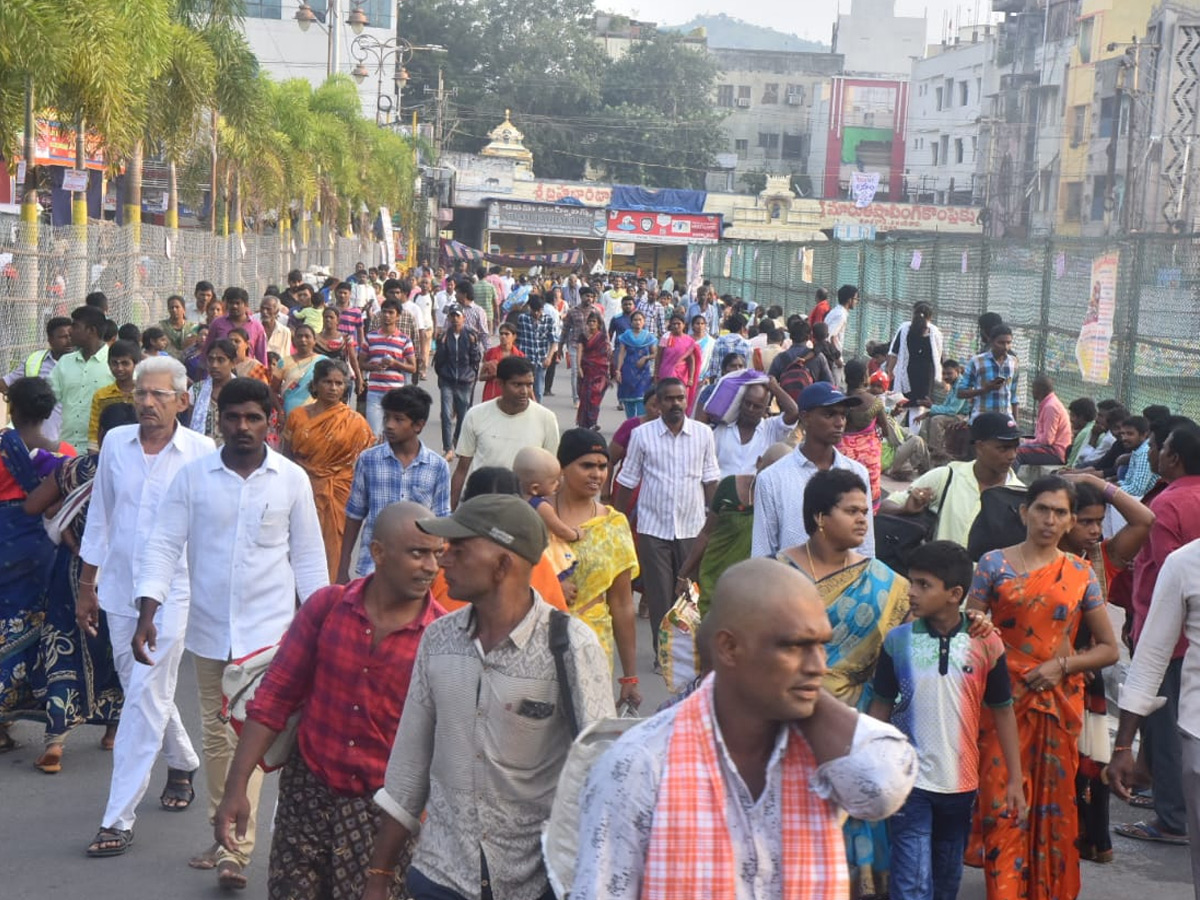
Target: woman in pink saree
{"points": [[679, 357]]}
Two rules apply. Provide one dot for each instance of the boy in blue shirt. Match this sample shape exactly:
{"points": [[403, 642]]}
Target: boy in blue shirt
{"points": [[931, 681]]}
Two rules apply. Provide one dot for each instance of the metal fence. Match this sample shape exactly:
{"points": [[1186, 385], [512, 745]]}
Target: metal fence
{"points": [[138, 275], [1041, 288]]}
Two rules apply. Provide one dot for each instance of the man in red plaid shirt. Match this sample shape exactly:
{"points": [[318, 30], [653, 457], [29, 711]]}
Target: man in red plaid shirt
{"points": [[345, 662]]}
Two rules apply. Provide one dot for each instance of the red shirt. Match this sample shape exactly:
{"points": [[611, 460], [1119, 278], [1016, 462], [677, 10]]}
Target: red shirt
{"points": [[352, 694], [1175, 524], [820, 311]]}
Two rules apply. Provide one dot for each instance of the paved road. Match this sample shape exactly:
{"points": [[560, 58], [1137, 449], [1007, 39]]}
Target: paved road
{"points": [[46, 821]]}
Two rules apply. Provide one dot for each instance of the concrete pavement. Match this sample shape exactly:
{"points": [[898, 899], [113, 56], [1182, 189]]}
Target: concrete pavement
{"points": [[47, 821]]}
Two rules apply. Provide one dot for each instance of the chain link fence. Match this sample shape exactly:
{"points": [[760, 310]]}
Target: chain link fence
{"points": [[1041, 288], [52, 277]]}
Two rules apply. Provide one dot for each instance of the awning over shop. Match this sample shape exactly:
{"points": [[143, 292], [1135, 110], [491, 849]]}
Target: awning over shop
{"points": [[453, 251]]}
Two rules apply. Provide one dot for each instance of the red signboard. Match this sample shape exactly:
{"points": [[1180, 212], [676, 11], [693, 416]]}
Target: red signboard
{"points": [[663, 228], [56, 146]]}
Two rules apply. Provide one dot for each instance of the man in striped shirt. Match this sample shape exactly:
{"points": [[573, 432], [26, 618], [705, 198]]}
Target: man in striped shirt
{"points": [[674, 459], [386, 358]]}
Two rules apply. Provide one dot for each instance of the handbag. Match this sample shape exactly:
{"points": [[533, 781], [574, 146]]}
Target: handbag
{"points": [[71, 507], [896, 537], [239, 682], [677, 654]]}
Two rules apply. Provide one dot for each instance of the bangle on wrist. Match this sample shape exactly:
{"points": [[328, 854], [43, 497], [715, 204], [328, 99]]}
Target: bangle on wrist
{"points": [[386, 873], [628, 679], [1062, 661], [1123, 749], [1110, 491]]}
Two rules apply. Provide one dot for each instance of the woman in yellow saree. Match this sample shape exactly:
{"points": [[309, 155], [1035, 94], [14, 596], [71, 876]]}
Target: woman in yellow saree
{"points": [[864, 600], [325, 438], [597, 569]]}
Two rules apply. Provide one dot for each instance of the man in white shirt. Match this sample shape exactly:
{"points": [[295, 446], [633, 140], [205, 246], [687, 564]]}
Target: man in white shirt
{"points": [[247, 519], [132, 476], [1174, 613], [779, 491], [674, 460], [742, 442], [836, 320], [422, 298]]}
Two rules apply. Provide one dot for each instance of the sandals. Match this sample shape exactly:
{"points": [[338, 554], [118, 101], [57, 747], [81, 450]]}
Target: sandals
{"points": [[231, 876], [120, 839], [205, 860], [50, 761], [1141, 801], [178, 793], [1149, 831]]}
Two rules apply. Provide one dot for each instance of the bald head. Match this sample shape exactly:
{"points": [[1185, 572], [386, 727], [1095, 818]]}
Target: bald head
{"points": [[394, 518], [765, 634], [774, 454]]}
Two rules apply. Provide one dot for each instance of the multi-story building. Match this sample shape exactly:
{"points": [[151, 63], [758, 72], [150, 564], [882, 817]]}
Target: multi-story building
{"points": [[1094, 143], [944, 111], [767, 97], [285, 51], [873, 40], [616, 34]]}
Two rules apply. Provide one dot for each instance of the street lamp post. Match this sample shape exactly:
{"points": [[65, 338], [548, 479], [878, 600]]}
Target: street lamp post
{"points": [[356, 19], [370, 53]]}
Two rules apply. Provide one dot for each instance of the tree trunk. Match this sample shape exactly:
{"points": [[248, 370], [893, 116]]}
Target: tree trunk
{"points": [[212, 172], [78, 278], [172, 198], [27, 255], [133, 222]]}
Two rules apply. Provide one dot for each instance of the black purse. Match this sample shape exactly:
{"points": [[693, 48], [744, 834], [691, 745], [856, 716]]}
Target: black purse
{"points": [[896, 537]]}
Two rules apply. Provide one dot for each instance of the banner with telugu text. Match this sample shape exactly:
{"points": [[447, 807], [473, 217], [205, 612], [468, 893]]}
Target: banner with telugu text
{"points": [[1095, 337]]}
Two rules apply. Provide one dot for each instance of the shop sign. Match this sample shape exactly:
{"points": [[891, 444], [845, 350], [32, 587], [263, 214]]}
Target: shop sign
{"points": [[510, 217], [663, 228], [901, 216]]}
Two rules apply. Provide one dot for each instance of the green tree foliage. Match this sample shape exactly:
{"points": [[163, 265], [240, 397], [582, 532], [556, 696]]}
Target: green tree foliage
{"points": [[648, 118]]}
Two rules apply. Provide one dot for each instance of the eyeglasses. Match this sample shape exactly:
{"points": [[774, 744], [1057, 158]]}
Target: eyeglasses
{"points": [[146, 394]]}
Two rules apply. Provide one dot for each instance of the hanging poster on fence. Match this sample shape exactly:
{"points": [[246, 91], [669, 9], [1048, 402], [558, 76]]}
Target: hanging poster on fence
{"points": [[863, 186], [75, 180], [727, 268], [806, 265], [1095, 337], [695, 269]]}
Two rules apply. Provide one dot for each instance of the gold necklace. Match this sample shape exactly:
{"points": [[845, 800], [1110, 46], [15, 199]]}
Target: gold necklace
{"points": [[813, 566]]}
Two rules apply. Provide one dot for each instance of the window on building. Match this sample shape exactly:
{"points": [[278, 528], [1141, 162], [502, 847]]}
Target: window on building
{"points": [[945, 154], [743, 92], [1073, 205], [949, 95], [379, 12], [725, 95], [1104, 128], [795, 94], [979, 89], [264, 9], [974, 148], [1078, 124], [1099, 197], [958, 150], [768, 141], [1085, 40], [794, 147], [963, 93], [741, 145], [934, 148], [770, 93], [938, 95]]}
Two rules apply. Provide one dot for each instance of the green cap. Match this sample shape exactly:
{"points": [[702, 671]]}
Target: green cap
{"points": [[504, 519]]}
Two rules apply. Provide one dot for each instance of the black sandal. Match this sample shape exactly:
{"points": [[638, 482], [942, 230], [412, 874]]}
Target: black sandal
{"points": [[179, 789], [121, 838]]}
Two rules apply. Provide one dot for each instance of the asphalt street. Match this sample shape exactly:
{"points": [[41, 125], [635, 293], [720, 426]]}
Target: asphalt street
{"points": [[46, 821]]}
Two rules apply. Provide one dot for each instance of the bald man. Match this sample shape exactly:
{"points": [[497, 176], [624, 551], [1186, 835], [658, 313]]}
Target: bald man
{"points": [[737, 791], [344, 667]]}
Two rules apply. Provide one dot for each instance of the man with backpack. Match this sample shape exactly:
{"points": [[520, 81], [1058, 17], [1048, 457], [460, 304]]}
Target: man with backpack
{"points": [[799, 365], [499, 689], [952, 492]]}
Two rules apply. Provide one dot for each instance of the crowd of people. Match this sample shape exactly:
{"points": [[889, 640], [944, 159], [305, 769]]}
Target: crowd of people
{"points": [[431, 628]]}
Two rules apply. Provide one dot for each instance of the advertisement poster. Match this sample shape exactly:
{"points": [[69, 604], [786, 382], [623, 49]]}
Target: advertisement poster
{"points": [[863, 186], [1092, 348], [806, 265], [663, 228]]}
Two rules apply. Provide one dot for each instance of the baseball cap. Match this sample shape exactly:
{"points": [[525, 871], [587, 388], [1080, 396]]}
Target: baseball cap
{"points": [[453, 309], [992, 426], [501, 518], [822, 393]]}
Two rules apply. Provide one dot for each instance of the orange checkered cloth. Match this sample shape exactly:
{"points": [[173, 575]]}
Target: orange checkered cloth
{"points": [[690, 852]]}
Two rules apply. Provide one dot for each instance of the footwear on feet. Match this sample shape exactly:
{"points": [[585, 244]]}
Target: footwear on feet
{"points": [[110, 842], [205, 860], [230, 875], [178, 793], [1150, 831]]}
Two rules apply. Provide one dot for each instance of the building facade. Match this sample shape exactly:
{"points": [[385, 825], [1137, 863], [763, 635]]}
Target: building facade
{"points": [[873, 40]]}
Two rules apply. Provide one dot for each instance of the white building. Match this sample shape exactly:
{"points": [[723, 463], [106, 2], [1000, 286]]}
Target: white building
{"points": [[285, 51], [945, 106], [875, 41]]}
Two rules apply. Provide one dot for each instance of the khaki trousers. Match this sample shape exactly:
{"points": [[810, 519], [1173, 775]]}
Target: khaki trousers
{"points": [[218, 741]]}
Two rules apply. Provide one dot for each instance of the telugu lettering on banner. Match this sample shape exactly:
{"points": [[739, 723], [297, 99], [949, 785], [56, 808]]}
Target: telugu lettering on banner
{"points": [[663, 228], [553, 192], [901, 216], [511, 217], [1092, 350]]}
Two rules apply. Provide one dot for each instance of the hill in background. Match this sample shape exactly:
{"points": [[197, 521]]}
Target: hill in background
{"points": [[730, 33]]}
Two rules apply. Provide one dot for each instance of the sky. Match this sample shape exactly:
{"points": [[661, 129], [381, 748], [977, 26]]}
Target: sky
{"points": [[812, 19]]}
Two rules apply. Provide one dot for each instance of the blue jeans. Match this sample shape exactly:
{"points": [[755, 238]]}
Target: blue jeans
{"points": [[539, 381], [928, 836], [456, 400], [375, 412], [421, 887], [633, 408]]}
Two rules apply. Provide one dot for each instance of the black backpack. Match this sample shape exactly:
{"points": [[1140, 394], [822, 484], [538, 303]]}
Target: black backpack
{"points": [[999, 521]]}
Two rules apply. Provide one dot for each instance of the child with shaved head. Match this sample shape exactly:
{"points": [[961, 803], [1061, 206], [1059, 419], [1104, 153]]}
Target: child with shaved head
{"points": [[539, 473]]}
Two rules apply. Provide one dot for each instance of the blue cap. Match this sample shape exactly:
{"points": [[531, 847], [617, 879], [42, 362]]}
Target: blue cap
{"points": [[822, 393]]}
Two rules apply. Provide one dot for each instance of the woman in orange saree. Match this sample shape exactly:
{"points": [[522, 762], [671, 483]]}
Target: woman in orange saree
{"points": [[325, 438], [1038, 596]]}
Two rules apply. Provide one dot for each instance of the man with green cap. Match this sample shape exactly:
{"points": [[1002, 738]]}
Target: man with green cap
{"points": [[485, 729]]}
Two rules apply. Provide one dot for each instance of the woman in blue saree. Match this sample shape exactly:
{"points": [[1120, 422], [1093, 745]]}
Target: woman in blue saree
{"points": [[26, 551], [635, 365], [864, 600], [76, 681]]}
